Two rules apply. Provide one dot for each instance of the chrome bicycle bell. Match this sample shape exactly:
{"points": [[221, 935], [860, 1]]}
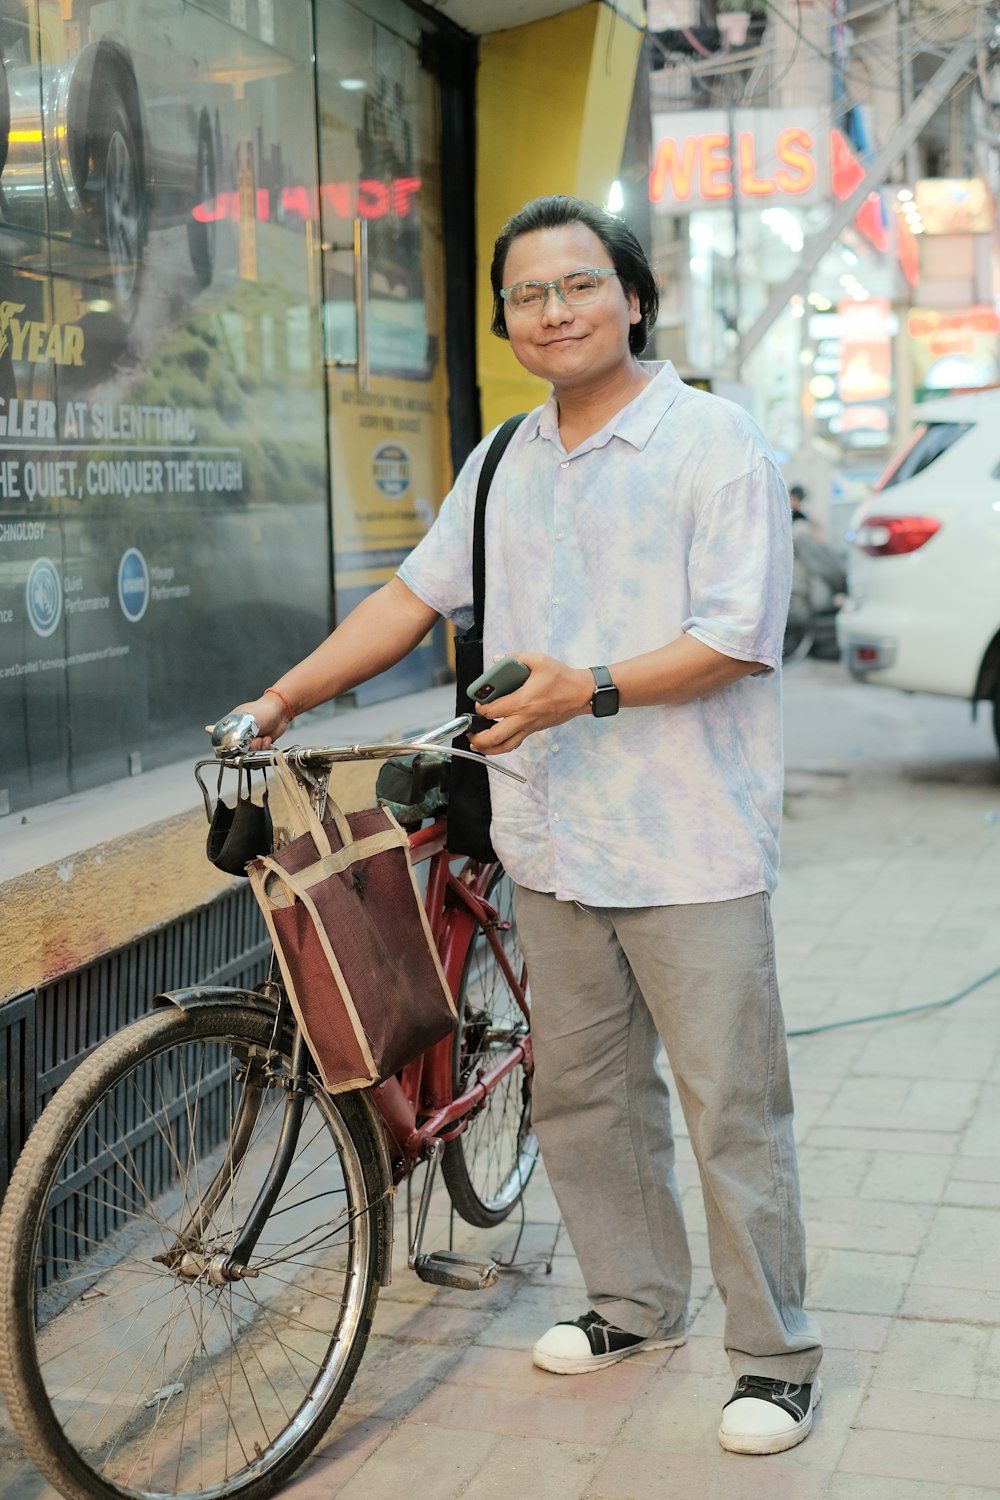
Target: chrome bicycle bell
{"points": [[234, 732]]}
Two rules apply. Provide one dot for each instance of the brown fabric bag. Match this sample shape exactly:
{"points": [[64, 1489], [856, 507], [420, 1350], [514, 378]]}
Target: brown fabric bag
{"points": [[353, 941]]}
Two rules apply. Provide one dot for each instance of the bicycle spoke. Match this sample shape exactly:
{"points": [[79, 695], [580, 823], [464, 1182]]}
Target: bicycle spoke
{"points": [[487, 1166]]}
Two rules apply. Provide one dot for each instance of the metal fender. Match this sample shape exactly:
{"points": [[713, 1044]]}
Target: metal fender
{"points": [[197, 998]]}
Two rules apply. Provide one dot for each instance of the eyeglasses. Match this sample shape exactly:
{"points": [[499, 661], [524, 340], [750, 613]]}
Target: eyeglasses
{"points": [[575, 289]]}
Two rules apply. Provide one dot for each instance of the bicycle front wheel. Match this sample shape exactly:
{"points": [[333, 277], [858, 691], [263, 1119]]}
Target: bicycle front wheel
{"points": [[131, 1366], [487, 1167]]}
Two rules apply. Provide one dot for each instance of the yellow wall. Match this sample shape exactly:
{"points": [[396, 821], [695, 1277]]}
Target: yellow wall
{"points": [[552, 110]]}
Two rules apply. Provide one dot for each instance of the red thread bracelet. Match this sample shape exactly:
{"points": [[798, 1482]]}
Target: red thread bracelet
{"points": [[289, 710]]}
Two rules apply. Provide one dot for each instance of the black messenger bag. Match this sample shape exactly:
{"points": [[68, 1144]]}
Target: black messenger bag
{"points": [[469, 810]]}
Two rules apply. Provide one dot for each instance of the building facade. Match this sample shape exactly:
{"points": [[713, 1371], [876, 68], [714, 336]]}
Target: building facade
{"points": [[244, 251], [822, 192]]}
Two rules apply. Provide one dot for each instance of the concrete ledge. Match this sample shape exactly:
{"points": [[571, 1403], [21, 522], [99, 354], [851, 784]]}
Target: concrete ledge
{"points": [[87, 874]]}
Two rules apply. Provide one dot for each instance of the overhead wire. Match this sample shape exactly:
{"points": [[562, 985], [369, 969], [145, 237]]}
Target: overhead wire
{"points": [[909, 32], [773, 82], [959, 7]]}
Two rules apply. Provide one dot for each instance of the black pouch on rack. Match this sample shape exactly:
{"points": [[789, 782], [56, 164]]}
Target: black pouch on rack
{"points": [[413, 787], [469, 809], [239, 833]]}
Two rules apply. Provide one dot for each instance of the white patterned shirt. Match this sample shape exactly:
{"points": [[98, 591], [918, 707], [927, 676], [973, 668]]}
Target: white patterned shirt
{"points": [[674, 517]]}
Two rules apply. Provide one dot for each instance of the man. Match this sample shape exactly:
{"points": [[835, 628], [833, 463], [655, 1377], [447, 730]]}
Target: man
{"points": [[641, 526], [819, 584], [797, 496]]}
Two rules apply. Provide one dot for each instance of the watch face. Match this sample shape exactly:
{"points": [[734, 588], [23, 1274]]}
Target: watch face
{"points": [[604, 702]]}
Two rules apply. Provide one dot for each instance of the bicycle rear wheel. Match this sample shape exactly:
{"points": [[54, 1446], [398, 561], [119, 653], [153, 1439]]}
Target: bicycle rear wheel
{"points": [[131, 1368], [487, 1167]]}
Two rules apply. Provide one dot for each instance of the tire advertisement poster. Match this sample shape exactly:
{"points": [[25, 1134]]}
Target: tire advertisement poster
{"points": [[164, 536]]}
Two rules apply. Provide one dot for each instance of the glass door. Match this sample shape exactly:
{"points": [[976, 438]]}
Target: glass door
{"points": [[383, 312]]}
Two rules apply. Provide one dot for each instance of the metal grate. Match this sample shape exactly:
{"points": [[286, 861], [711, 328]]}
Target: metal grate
{"points": [[18, 1076], [45, 1035]]}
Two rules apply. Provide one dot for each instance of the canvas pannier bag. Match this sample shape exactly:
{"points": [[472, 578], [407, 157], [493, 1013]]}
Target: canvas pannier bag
{"points": [[352, 940]]}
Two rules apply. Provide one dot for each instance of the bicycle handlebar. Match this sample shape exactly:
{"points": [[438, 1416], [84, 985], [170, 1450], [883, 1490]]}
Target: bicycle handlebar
{"points": [[234, 732]]}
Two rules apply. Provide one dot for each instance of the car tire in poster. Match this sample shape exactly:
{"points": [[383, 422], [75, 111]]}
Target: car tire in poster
{"points": [[121, 203], [114, 189]]}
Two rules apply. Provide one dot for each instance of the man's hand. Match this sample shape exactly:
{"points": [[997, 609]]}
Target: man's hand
{"points": [[552, 694], [676, 673], [272, 717]]}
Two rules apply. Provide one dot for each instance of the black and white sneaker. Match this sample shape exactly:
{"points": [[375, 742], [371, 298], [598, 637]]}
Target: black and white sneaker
{"points": [[591, 1343], [768, 1416]]}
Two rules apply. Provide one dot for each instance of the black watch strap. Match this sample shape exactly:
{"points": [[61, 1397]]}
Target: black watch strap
{"points": [[605, 699]]}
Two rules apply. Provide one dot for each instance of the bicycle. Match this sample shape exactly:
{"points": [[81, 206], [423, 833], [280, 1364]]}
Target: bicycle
{"points": [[195, 1235]]}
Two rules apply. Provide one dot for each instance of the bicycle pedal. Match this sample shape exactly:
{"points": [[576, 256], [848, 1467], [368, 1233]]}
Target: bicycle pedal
{"points": [[446, 1268]]}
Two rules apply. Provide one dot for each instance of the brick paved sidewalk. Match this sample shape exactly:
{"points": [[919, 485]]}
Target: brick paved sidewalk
{"points": [[889, 899]]}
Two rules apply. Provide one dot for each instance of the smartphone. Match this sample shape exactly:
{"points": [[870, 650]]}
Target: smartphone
{"points": [[503, 677]]}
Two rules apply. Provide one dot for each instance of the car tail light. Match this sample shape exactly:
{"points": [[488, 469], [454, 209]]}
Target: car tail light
{"points": [[888, 536]]}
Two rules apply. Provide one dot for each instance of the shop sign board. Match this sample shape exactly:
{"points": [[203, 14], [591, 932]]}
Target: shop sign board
{"points": [[954, 205], [951, 350], [865, 383], [701, 158]]}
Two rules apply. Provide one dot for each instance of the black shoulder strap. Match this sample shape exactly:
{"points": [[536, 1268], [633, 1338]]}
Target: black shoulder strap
{"points": [[493, 456]]}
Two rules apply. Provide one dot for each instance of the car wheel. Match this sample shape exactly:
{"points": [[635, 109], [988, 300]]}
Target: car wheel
{"points": [[121, 217], [201, 234], [996, 716]]}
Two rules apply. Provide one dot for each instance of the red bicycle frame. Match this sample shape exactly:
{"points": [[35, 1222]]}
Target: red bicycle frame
{"points": [[418, 1106]]}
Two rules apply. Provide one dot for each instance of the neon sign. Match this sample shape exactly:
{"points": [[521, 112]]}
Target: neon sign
{"points": [[710, 156], [704, 157], [367, 199]]}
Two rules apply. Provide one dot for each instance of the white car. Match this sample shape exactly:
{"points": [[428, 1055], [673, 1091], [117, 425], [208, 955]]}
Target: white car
{"points": [[923, 612]]}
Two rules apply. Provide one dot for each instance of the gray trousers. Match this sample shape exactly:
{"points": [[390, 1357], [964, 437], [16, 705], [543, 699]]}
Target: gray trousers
{"points": [[605, 982]]}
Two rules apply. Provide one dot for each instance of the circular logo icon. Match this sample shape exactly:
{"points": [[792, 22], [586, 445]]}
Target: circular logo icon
{"points": [[391, 470], [44, 596], [133, 584]]}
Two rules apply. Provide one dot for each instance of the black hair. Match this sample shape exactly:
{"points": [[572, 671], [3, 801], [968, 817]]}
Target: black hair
{"points": [[797, 492], [627, 255]]}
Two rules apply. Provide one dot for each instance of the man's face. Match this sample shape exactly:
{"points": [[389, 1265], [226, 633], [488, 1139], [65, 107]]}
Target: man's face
{"points": [[569, 346]]}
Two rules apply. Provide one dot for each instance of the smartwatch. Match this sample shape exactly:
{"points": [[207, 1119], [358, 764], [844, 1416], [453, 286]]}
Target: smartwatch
{"points": [[605, 699]]}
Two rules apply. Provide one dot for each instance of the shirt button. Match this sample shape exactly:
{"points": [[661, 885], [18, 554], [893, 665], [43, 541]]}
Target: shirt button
{"points": [[555, 817], [564, 465], [554, 749], [560, 535], [555, 598]]}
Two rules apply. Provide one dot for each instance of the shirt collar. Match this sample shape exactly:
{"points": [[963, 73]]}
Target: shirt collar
{"points": [[636, 422]]}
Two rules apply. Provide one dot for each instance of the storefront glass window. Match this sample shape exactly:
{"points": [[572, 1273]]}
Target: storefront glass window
{"points": [[176, 272], [163, 526]]}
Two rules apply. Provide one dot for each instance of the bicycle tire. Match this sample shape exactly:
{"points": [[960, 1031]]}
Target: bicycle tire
{"points": [[486, 1169], [126, 1379]]}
